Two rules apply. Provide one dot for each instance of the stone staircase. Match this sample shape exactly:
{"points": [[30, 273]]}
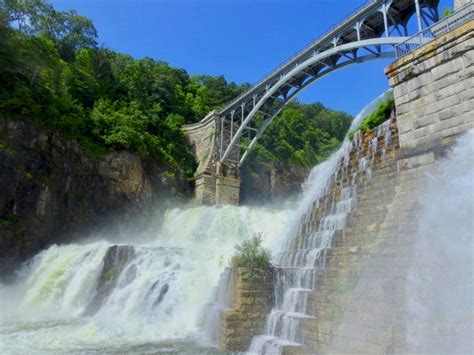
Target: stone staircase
{"points": [[372, 170]]}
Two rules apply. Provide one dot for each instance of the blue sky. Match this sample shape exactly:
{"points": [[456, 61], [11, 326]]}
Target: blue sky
{"points": [[240, 39]]}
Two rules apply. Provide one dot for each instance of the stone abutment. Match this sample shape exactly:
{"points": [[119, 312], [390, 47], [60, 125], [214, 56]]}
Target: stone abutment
{"points": [[215, 183]]}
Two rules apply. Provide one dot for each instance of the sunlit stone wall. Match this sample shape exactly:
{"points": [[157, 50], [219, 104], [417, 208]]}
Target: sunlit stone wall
{"points": [[434, 91], [459, 3], [215, 183], [252, 301]]}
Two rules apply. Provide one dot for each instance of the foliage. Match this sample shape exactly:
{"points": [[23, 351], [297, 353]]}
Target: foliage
{"points": [[53, 72], [252, 256], [5, 222], [5, 148], [379, 115], [447, 11], [302, 136]]}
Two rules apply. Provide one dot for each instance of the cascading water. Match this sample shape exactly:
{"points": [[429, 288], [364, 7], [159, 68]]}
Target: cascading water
{"points": [[440, 283], [140, 297], [304, 253], [151, 295], [211, 313]]}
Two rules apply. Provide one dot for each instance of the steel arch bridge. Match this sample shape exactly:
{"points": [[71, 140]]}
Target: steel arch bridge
{"points": [[372, 32]]}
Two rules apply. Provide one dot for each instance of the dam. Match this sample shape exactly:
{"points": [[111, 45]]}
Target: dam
{"points": [[375, 257]]}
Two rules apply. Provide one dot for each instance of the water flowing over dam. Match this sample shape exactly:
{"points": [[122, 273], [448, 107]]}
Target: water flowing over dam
{"points": [[104, 297], [161, 292], [301, 261]]}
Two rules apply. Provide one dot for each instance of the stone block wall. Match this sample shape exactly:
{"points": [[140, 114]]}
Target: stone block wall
{"points": [[360, 304], [214, 183], [434, 90], [227, 190], [372, 170], [252, 301], [205, 189], [459, 3]]}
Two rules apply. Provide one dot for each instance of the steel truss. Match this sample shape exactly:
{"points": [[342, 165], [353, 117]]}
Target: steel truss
{"points": [[370, 33]]}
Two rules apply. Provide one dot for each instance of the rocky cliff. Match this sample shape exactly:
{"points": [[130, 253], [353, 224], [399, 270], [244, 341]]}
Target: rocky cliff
{"points": [[52, 189]]}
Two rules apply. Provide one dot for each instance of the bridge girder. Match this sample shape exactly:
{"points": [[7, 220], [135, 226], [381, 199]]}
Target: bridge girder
{"points": [[366, 35], [290, 96]]}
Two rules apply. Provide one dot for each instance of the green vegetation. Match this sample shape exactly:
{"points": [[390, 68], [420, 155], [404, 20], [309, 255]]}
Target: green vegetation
{"points": [[5, 222], [381, 113], [53, 72], [111, 273], [6, 148], [447, 11], [252, 256], [302, 135]]}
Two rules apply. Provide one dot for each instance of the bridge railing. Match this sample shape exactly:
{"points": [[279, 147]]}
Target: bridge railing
{"points": [[459, 17], [307, 47], [317, 39]]}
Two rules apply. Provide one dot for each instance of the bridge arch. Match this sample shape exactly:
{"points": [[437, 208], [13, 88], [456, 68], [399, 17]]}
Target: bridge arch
{"points": [[293, 93], [369, 34], [375, 31]]}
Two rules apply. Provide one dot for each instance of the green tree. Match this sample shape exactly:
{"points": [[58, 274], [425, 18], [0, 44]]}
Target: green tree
{"points": [[66, 29], [120, 125]]}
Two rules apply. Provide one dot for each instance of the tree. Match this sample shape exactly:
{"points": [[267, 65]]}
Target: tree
{"points": [[120, 125], [66, 29], [25, 14]]}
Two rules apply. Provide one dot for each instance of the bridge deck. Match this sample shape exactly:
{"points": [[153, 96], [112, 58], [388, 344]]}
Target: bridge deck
{"points": [[325, 39], [369, 33]]}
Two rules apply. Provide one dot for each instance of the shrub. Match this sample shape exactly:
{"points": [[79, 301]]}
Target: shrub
{"points": [[251, 255], [380, 114], [447, 11]]}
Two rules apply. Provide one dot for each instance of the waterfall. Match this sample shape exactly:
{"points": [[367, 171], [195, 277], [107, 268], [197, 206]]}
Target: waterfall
{"points": [[100, 296], [162, 292], [440, 282], [211, 313], [302, 258]]}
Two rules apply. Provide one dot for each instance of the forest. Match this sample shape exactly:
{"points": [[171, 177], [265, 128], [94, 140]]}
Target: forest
{"points": [[54, 72]]}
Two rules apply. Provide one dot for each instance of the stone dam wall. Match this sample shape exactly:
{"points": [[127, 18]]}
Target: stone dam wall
{"points": [[251, 302], [359, 303], [372, 172], [433, 90]]}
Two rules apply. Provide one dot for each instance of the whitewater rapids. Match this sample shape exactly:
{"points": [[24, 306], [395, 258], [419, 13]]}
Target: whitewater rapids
{"points": [[100, 297]]}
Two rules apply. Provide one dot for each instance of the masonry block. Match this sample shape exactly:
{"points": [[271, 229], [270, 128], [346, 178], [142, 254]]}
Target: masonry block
{"points": [[433, 89], [252, 301]]}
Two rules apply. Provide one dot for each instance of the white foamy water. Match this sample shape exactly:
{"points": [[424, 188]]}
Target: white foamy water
{"points": [[440, 286], [97, 297], [300, 262], [147, 297]]}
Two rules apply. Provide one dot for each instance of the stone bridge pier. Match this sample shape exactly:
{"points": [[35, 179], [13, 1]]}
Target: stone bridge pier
{"points": [[215, 182]]}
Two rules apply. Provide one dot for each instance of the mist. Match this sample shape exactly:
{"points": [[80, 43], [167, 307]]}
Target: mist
{"points": [[440, 282]]}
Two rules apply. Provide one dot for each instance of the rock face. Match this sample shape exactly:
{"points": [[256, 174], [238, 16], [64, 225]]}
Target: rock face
{"points": [[51, 189], [116, 260]]}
